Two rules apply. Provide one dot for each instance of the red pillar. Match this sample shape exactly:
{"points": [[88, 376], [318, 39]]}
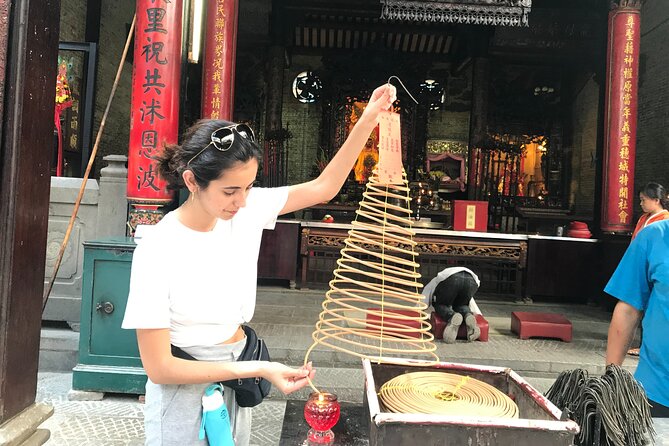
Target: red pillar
{"points": [[620, 116], [154, 113], [220, 47]]}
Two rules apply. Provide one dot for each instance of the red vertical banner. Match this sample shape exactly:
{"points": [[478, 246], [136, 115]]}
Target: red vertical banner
{"points": [[154, 113], [220, 47], [620, 119]]}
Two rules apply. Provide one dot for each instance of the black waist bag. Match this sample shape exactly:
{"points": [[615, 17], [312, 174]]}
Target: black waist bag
{"points": [[249, 392]]}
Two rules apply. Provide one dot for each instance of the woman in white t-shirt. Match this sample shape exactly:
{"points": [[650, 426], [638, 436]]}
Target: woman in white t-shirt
{"points": [[193, 278]]}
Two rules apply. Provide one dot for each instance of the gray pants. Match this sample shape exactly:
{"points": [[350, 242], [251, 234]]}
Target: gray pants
{"points": [[173, 413]]}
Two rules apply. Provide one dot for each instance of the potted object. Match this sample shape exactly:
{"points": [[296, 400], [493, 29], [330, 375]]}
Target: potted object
{"points": [[578, 229]]}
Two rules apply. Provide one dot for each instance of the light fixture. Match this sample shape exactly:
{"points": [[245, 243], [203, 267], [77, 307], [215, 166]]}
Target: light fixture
{"points": [[307, 87], [433, 93], [543, 90], [195, 41]]}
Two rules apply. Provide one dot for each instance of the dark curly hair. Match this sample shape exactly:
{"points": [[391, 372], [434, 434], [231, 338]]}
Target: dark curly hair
{"points": [[656, 191], [210, 164]]}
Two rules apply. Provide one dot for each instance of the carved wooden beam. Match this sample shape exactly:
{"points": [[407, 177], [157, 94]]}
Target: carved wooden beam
{"points": [[469, 12], [626, 4]]}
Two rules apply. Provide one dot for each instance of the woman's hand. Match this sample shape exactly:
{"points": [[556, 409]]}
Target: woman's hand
{"points": [[329, 182], [288, 379], [382, 99]]}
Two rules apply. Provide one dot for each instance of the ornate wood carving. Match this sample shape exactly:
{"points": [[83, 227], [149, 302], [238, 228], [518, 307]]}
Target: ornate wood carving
{"points": [[626, 4], [514, 252], [472, 12]]}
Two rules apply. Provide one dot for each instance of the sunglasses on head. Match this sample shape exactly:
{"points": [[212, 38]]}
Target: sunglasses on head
{"points": [[223, 138]]}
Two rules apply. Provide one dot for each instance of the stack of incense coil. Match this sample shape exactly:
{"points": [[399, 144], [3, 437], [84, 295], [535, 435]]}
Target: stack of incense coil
{"points": [[445, 394]]}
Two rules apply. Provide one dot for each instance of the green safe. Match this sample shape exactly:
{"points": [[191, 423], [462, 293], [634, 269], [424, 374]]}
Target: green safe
{"points": [[108, 355]]}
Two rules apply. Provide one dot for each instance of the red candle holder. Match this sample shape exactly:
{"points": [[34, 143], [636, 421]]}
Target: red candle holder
{"points": [[321, 412]]}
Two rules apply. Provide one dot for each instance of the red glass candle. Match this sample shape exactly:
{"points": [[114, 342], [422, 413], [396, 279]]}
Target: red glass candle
{"points": [[321, 412]]}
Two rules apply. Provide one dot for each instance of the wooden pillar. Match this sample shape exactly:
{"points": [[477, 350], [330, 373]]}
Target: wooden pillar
{"points": [[478, 125], [154, 113], [28, 60], [620, 116], [274, 154], [220, 49]]}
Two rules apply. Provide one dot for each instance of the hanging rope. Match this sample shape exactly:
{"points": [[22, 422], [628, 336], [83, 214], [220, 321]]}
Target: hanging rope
{"points": [[445, 394], [373, 309], [611, 409]]}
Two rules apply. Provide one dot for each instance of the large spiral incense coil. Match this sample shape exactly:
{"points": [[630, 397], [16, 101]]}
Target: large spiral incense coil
{"points": [[374, 309], [443, 393]]}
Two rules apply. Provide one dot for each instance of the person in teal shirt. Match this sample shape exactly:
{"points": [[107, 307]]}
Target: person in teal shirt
{"points": [[641, 284]]}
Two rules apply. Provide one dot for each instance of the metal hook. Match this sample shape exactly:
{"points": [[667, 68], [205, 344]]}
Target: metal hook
{"points": [[403, 86]]}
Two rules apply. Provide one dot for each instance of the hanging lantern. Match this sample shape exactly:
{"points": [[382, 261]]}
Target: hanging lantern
{"points": [[433, 93], [307, 87]]}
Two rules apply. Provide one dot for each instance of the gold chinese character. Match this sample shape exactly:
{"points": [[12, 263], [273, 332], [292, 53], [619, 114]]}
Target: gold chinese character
{"points": [[623, 217], [626, 112], [627, 87], [216, 89], [74, 125], [630, 20], [220, 9], [218, 37], [217, 63], [624, 153], [625, 139], [216, 103], [622, 193], [73, 141], [627, 73], [629, 33], [626, 127], [623, 180], [629, 47], [215, 114], [622, 204], [217, 76], [627, 99], [624, 166], [220, 23]]}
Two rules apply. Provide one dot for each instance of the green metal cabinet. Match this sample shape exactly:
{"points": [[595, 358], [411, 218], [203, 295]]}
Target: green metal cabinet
{"points": [[108, 355]]}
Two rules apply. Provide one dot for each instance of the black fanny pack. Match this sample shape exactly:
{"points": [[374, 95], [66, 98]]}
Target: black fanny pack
{"points": [[249, 392]]}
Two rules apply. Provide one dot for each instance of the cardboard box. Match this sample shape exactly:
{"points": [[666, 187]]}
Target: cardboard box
{"points": [[539, 422], [470, 215]]}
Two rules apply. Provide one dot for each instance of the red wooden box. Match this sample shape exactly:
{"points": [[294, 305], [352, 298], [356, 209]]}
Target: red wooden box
{"points": [[470, 215], [403, 325], [545, 325]]}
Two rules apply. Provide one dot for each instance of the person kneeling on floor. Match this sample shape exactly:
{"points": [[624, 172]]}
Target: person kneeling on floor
{"points": [[451, 293]]}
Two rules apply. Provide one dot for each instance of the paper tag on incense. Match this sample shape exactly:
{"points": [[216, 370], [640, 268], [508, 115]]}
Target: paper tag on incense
{"points": [[389, 168]]}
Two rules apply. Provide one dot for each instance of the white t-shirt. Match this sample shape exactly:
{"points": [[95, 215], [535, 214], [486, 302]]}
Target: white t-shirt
{"points": [[201, 285]]}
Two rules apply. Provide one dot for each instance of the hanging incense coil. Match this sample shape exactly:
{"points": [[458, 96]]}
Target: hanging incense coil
{"points": [[445, 394], [374, 309]]}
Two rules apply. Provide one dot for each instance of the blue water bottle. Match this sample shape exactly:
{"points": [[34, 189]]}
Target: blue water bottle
{"points": [[215, 419]]}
